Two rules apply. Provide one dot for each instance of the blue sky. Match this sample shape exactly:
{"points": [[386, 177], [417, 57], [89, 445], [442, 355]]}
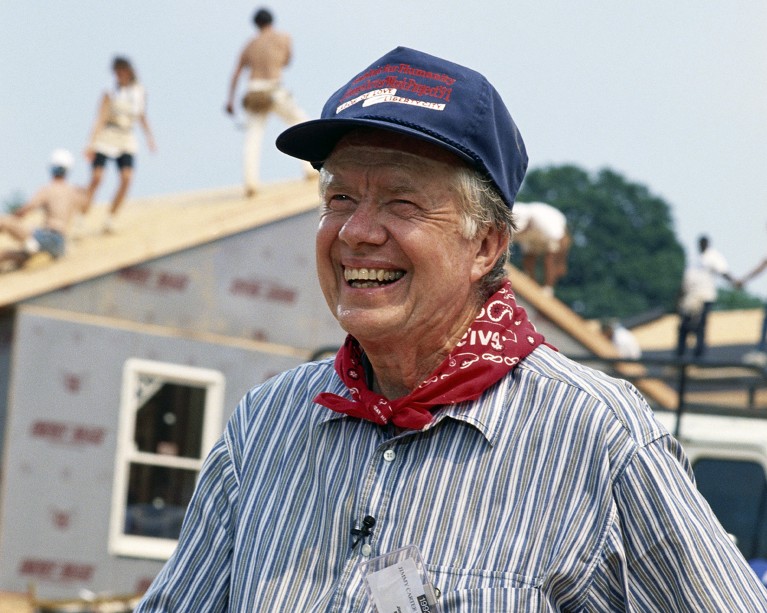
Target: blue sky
{"points": [[670, 94]]}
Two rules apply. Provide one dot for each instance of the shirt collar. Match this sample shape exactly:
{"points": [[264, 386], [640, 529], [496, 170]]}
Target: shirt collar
{"points": [[486, 413]]}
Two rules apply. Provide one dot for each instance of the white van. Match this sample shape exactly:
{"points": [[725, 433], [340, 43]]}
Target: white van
{"points": [[729, 457]]}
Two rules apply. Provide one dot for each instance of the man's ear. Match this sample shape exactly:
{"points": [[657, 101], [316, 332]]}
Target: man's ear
{"points": [[491, 245]]}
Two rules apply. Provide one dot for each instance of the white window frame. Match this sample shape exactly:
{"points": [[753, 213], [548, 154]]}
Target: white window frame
{"points": [[120, 543]]}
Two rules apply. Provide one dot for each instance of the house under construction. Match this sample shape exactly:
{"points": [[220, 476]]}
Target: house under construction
{"points": [[120, 363]]}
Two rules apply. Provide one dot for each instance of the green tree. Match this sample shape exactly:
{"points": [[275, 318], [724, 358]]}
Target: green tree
{"points": [[625, 258], [730, 299]]}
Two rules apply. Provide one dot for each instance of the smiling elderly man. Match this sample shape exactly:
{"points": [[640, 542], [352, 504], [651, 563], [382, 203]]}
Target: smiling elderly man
{"points": [[447, 459]]}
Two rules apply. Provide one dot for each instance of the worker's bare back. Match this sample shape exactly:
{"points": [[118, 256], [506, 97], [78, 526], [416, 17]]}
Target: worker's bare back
{"points": [[267, 54], [60, 201]]}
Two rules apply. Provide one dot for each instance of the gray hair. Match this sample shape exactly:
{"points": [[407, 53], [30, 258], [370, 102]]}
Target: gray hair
{"points": [[482, 207]]}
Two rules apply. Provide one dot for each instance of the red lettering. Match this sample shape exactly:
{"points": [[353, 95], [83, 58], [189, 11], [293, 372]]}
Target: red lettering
{"points": [[245, 287], [49, 429], [72, 434], [259, 335], [281, 294], [177, 282], [56, 571], [268, 290], [72, 382], [134, 274], [88, 435], [43, 569], [61, 519], [71, 571]]}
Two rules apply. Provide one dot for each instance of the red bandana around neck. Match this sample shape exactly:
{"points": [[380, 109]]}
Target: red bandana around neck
{"points": [[499, 338]]}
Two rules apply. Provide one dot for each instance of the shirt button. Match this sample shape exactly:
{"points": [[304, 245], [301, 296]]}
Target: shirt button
{"points": [[366, 549], [389, 455]]}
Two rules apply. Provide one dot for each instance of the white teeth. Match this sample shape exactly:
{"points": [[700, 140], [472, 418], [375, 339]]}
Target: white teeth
{"points": [[372, 274]]}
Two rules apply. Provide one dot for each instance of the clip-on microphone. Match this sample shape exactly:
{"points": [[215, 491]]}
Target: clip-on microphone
{"points": [[367, 524]]}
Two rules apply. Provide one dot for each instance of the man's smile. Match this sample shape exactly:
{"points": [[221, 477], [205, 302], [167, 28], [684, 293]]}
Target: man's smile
{"points": [[371, 277]]}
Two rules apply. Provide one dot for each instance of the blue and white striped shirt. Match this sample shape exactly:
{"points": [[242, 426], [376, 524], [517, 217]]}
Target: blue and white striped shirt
{"points": [[556, 490]]}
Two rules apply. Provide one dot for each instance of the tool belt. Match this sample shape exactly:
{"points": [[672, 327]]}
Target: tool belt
{"points": [[258, 101]]}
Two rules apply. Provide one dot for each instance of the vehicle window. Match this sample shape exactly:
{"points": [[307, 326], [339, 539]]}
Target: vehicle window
{"points": [[737, 493]]}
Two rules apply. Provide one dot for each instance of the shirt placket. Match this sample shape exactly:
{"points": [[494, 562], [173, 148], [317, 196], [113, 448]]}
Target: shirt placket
{"points": [[373, 500]]}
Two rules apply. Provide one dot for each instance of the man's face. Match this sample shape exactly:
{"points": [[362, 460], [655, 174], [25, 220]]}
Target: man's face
{"points": [[392, 260]]}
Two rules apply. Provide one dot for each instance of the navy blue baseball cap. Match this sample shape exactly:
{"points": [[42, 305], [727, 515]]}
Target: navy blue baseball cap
{"points": [[418, 94]]}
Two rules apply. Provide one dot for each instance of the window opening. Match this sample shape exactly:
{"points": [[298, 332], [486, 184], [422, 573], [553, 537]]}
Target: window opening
{"points": [[170, 417]]}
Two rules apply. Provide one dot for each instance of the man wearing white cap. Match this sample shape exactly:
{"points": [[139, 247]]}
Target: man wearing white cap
{"points": [[542, 234], [58, 201]]}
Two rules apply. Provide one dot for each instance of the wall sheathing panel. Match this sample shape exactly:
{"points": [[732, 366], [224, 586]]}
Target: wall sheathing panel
{"points": [[61, 435], [258, 285]]}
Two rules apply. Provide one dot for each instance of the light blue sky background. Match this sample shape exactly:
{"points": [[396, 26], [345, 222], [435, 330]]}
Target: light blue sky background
{"points": [[670, 94]]}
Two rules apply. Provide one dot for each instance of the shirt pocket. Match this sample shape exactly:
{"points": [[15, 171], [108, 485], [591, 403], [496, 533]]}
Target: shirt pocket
{"points": [[477, 591]]}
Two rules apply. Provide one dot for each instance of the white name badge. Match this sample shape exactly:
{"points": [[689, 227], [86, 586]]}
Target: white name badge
{"points": [[397, 583]]}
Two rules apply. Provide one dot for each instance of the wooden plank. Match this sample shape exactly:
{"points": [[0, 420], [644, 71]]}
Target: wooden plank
{"points": [[212, 338], [734, 398], [15, 603], [738, 327], [154, 227], [585, 334]]}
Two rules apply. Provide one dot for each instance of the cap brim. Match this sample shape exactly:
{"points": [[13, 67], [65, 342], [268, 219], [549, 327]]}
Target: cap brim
{"points": [[314, 140]]}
